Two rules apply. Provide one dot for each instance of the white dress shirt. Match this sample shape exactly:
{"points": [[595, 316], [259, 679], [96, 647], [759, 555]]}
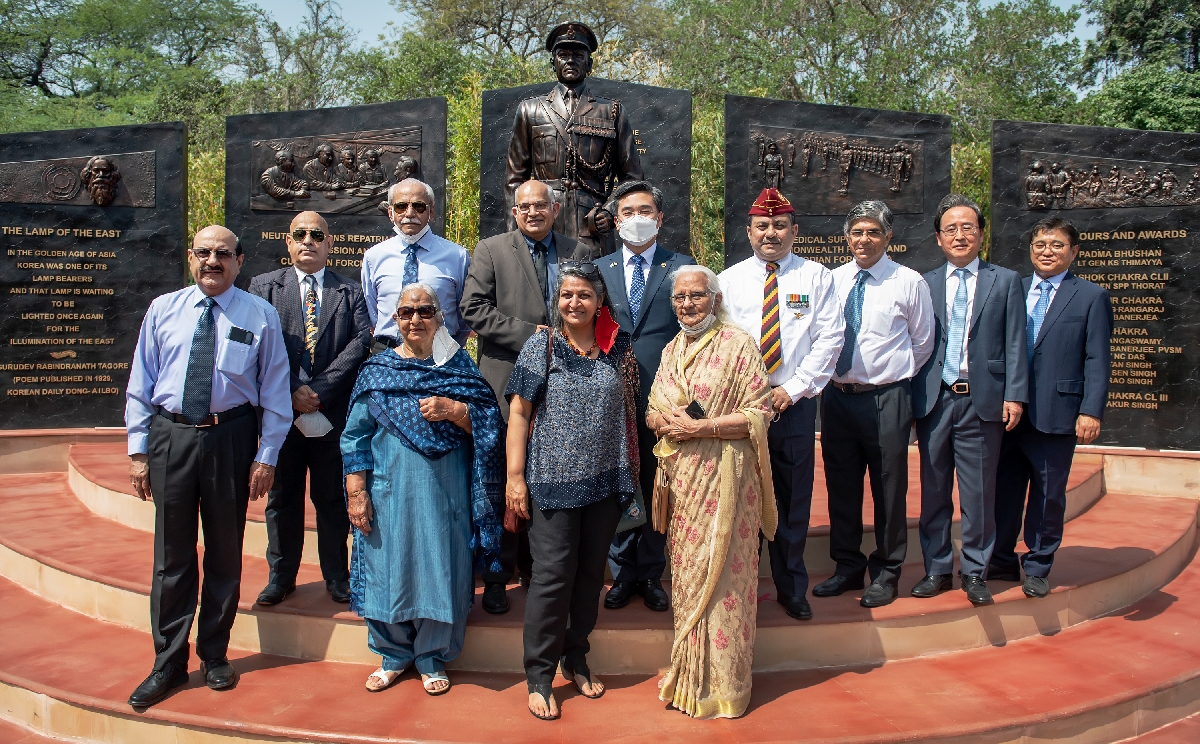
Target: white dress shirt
{"points": [[896, 335], [440, 263], [951, 290], [319, 277], [256, 373], [647, 261], [1035, 292], [811, 326]]}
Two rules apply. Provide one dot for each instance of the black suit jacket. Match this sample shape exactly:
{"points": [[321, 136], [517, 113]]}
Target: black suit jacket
{"points": [[657, 323], [1071, 356], [343, 340], [997, 363]]}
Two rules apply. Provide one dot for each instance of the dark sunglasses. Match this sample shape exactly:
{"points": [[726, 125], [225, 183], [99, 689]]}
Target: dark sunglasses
{"points": [[204, 253], [586, 268], [420, 207], [299, 233], [425, 311]]}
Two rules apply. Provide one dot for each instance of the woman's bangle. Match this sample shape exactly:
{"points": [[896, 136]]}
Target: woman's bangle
{"points": [[466, 412], [716, 429]]}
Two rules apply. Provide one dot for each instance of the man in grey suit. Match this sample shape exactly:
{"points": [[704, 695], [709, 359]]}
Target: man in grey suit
{"points": [[507, 296], [636, 278], [327, 334], [965, 397]]}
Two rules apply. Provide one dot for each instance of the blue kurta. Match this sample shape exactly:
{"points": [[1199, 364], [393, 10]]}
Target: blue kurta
{"points": [[416, 563]]}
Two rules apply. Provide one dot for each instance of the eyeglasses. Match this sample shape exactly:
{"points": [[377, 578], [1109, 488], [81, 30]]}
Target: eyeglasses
{"points": [[299, 233], [586, 268], [418, 206], [204, 253], [533, 207], [966, 230], [645, 211], [426, 312], [873, 234], [1054, 247], [695, 297]]}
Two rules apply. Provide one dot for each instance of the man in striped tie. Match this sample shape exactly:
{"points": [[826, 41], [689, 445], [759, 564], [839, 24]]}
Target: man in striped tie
{"points": [[790, 304]]}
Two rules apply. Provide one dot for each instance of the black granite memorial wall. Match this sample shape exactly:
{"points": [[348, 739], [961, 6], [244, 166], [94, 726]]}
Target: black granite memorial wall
{"points": [[1135, 198], [92, 229], [825, 159], [337, 161], [661, 119]]}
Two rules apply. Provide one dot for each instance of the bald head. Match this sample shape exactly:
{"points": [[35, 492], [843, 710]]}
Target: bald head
{"points": [[218, 233], [309, 242], [535, 209], [309, 220], [215, 259]]}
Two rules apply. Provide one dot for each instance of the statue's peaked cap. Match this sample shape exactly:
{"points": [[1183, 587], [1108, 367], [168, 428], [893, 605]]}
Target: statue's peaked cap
{"points": [[573, 33]]}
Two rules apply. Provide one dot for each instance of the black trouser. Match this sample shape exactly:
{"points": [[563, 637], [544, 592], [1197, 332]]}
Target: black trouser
{"points": [[640, 554], [791, 442], [514, 547], [201, 471], [568, 546], [867, 432], [320, 459]]}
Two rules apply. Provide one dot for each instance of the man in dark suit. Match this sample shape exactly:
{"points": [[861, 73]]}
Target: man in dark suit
{"points": [[636, 278], [327, 332], [1068, 328], [507, 296], [965, 397]]}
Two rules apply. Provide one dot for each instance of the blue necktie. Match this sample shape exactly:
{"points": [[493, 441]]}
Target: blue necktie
{"points": [[197, 385], [410, 266], [637, 287], [958, 327], [1033, 325], [853, 312]]}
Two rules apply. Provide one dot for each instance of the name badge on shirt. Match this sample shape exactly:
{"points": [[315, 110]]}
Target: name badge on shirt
{"points": [[240, 335]]}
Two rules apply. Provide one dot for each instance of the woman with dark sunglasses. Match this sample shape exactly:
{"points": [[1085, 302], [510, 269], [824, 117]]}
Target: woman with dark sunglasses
{"points": [[573, 477], [421, 453]]}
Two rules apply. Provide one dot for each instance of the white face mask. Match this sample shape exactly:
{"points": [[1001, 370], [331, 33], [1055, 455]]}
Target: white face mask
{"points": [[701, 327], [638, 230], [410, 239]]}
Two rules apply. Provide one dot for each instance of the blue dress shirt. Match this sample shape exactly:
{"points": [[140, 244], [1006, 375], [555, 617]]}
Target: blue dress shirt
{"points": [[441, 264], [551, 265], [256, 373]]}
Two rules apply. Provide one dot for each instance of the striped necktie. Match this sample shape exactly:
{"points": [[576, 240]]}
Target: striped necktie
{"points": [[853, 313], [197, 384], [1033, 325], [311, 314], [769, 342]]}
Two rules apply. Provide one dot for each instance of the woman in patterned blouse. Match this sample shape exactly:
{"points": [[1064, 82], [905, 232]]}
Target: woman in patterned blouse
{"points": [[578, 468]]}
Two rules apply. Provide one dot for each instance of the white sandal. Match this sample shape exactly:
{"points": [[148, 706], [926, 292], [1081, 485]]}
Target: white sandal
{"points": [[429, 679], [388, 678]]}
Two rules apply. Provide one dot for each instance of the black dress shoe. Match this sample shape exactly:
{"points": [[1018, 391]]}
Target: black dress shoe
{"points": [[654, 595], [495, 598], [339, 590], [796, 607], [156, 687], [931, 585], [995, 574], [274, 593], [837, 584], [618, 595], [1035, 587], [218, 674], [879, 594], [976, 589]]}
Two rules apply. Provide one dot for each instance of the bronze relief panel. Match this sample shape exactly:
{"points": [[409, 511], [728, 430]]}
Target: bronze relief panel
{"points": [[1056, 181], [118, 180]]}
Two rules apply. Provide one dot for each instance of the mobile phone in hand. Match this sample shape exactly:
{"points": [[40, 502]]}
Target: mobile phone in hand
{"points": [[695, 410]]}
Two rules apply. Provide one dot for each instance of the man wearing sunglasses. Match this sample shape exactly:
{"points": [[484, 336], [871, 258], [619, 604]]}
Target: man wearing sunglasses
{"points": [[210, 364], [414, 255], [327, 334], [506, 299]]}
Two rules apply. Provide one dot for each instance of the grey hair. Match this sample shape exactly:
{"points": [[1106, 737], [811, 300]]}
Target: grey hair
{"points": [[950, 202], [710, 280], [433, 296], [565, 271], [410, 182], [869, 210]]}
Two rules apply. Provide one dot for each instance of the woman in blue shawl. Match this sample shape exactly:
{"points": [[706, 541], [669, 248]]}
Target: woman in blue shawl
{"points": [[423, 464]]}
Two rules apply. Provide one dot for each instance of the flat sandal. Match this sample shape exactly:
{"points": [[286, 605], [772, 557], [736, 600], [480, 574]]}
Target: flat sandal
{"points": [[547, 693], [570, 672]]}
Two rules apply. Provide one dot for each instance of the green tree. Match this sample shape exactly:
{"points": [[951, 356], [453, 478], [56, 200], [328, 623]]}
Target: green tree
{"points": [[1150, 96], [1136, 31]]}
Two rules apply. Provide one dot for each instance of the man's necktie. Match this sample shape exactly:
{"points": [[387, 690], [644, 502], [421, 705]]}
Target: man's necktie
{"points": [[197, 385], [637, 287], [410, 266], [958, 327], [539, 267], [768, 341], [853, 313], [1033, 326], [311, 315]]}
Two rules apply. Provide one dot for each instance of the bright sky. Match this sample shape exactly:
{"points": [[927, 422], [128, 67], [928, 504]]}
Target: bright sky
{"points": [[371, 16]]}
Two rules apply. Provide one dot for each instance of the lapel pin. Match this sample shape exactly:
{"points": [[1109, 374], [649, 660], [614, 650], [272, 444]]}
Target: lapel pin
{"points": [[663, 264], [613, 265]]}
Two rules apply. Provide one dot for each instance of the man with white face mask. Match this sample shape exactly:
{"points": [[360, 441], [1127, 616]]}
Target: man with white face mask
{"points": [[641, 303]]}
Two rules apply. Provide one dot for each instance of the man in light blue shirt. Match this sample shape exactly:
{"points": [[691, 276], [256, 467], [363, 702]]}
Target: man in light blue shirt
{"points": [[208, 358], [414, 255]]}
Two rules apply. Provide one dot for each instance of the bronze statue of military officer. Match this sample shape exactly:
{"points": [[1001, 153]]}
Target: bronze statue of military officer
{"points": [[578, 143]]}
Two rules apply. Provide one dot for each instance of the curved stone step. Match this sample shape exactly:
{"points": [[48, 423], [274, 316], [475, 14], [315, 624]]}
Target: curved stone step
{"points": [[98, 475], [66, 675], [1117, 552]]}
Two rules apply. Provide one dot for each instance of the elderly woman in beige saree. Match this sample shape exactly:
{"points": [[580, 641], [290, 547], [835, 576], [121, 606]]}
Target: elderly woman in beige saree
{"points": [[713, 495]]}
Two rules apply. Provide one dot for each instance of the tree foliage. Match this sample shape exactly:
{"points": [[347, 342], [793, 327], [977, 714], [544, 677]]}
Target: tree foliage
{"points": [[1166, 32]]}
